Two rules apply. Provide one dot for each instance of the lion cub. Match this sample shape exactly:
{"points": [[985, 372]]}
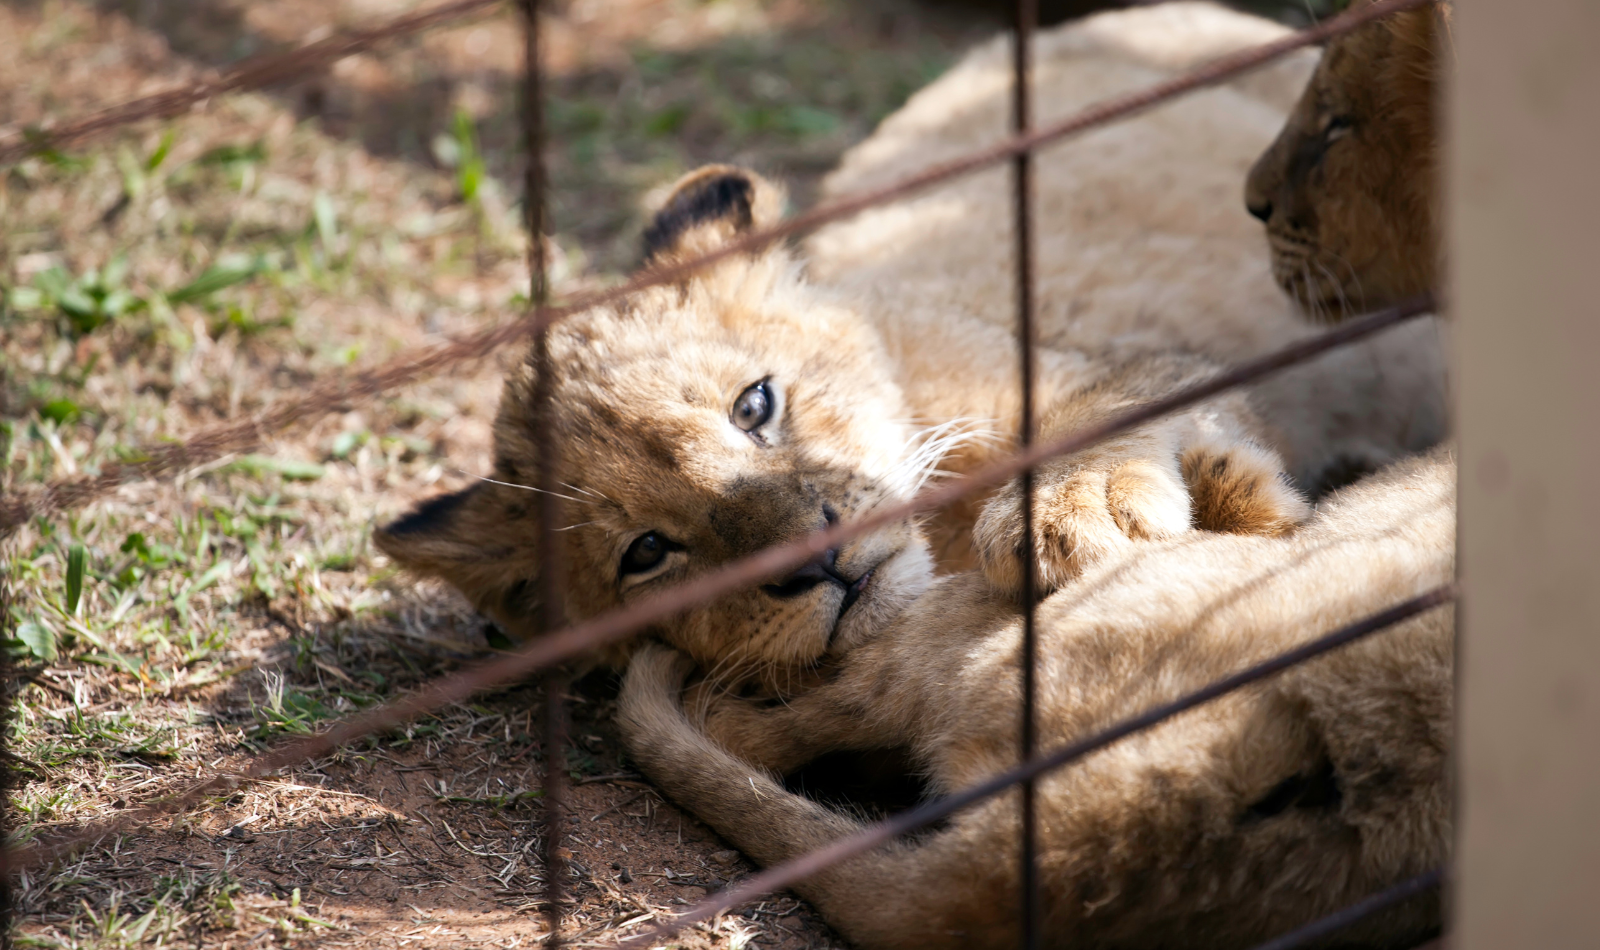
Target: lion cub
{"points": [[1349, 190], [1143, 241], [745, 407]]}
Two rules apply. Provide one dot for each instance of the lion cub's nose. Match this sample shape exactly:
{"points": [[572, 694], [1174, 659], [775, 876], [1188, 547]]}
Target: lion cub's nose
{"points": [[823, 568]]}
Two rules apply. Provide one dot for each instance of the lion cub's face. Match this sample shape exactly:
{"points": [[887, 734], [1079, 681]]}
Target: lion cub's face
{"points": [[1348, 191], [701, 424]]}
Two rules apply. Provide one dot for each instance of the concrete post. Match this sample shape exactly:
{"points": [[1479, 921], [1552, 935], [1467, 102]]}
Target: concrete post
{"points": [[1524, 207]]}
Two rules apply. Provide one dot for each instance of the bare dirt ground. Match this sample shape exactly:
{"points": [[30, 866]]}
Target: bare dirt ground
{"points": [[178, 274]]}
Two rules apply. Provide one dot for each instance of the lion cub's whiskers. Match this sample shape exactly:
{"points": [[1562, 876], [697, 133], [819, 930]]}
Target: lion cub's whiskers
{"points": [[927, 449], [1355, 279], [728, 670], [1308, 297], [493, 481], [598, 496]]}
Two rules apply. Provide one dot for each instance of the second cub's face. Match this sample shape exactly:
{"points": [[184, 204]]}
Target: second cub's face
{"points": [[1348, 191]]}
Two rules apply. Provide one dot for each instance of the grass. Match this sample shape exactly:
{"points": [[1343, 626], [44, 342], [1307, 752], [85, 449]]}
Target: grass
{"points": [[178, 907]]}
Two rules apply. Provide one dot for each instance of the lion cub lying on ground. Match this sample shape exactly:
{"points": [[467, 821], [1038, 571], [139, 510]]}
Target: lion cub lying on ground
{"points": [[746, 407]]}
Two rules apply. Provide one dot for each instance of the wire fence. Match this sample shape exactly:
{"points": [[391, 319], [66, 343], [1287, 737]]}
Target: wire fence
{"points": [[578, 639], [562, 640]]}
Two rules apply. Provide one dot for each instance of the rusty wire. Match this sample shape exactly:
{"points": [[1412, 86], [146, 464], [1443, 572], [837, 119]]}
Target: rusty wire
{"points": [[1027, 15], [546, 481], [10, 678], [577, 639], [337, 392], [333, 394], [885, 831], [1314, 933], [257, 72]]}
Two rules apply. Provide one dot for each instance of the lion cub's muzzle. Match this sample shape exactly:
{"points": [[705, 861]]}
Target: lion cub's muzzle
{"points": [[823, 570], [820, 571]]}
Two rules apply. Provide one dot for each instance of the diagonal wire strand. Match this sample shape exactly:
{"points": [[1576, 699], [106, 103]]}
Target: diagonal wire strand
{"points": [[257, 72], [1312, 934]]}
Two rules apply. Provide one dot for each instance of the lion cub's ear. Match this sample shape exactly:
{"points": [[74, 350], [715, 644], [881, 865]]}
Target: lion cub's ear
{"points": [[709, 207], [472, 539]]}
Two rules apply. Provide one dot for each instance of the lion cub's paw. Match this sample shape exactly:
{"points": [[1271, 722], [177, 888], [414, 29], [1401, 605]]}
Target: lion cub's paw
{"points": [[1082, 515], [1240, 489]]}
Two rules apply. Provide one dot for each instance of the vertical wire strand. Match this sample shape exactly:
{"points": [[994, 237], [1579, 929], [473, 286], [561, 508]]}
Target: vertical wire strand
{"points": [[547, 477], [1027, 13], [7, 671]]}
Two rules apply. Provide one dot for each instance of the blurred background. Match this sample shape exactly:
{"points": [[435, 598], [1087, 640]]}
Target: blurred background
{"points": [[640, 91]]}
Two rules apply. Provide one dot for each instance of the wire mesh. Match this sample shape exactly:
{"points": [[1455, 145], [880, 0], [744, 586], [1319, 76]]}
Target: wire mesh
{"points": [[577, 639], [565, 641], [339, 393], [1026, 16]]}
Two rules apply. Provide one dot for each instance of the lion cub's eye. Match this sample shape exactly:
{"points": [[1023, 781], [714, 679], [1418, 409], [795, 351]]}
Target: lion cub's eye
{"points": [[1338, 127], [753, 408], [645, 553]]}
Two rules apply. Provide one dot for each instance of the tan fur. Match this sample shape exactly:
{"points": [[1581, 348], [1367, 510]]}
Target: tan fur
{"points": [[1349, 190], [1228, 825], [643, 406], [1143, 242]]}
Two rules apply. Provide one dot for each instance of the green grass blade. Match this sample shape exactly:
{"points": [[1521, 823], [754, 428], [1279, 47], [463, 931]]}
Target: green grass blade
{"points": [[287, 468], [234, 269], [76, 557]]}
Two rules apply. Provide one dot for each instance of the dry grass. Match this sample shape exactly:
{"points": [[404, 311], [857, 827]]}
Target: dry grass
{"points": [[178, 275]]}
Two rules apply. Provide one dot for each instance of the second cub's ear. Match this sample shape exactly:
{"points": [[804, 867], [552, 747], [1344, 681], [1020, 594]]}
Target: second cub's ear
{"points": [[708, 208]]}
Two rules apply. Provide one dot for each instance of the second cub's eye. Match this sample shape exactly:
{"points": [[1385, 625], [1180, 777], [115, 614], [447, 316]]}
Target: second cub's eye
{"points": [[646, 552], [753, 408], [1338, 127]]}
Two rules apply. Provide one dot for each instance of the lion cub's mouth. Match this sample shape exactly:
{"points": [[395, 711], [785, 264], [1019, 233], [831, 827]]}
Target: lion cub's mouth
{"points": [[853, 593], [825, 569]]}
